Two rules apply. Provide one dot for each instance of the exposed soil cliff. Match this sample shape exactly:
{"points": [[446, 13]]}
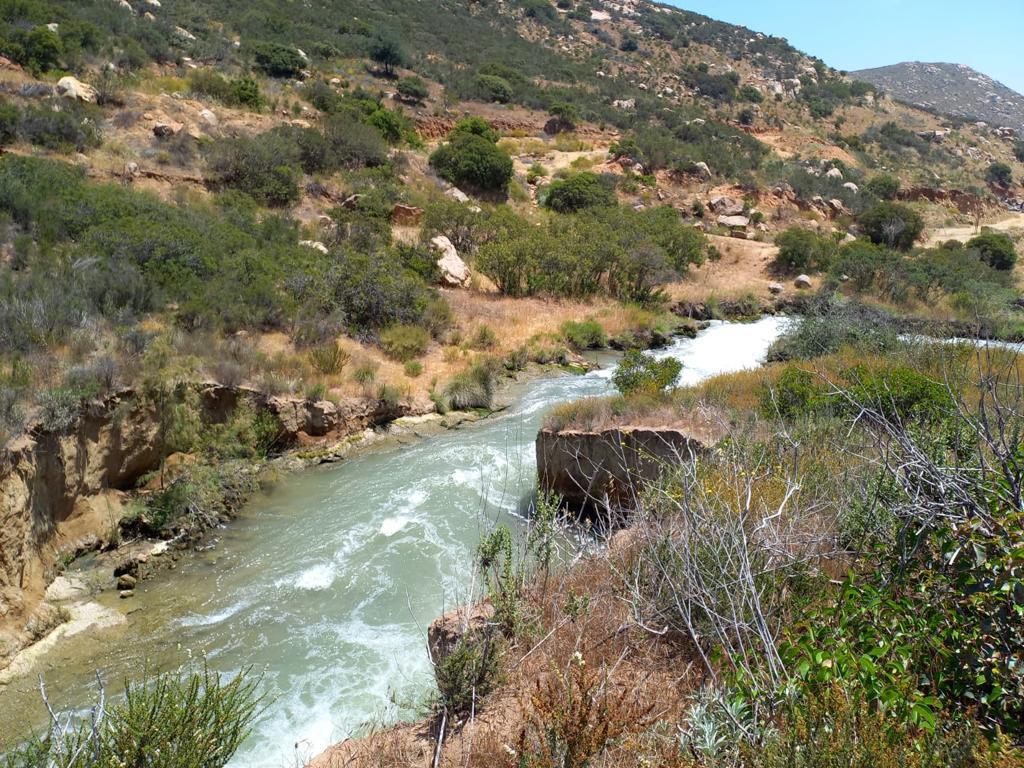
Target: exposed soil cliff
{"points": [[64, 491]]}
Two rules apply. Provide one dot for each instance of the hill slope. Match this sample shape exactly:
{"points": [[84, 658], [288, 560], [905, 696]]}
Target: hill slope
{"points": [[953, 89]]}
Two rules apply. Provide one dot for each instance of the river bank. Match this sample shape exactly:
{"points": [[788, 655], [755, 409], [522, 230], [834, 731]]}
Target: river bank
{"points": [[327, 582]]}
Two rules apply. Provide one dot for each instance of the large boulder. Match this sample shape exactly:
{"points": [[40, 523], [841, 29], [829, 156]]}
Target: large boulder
{"points": [[454, 271], [607, 471], [725, 206], [734, 222], [803, 281], [73, 88], [406, 215], [446, 630]]}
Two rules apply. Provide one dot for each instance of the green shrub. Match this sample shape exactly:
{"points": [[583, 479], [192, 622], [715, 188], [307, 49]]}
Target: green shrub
{"points": [[329, 359], [277, 60], [999, 173], [832, 324], [584, 190], [586, 334], [65, 127], [198, 720], [472, 388], [1018, 150], [259, 166], [365, 372], [801, 250], [469, 671], [412, 88], [493, 88], [893, 225], [373, 293], [475, 126], [474, 162], [640, 373], [883, 186], [239, 92], [405, 342], [413, 369], [795, 394], [995, 249], [483, 338]]}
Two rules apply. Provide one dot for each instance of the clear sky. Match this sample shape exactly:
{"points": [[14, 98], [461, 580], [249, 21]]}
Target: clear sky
{"points": [[987, 35]]}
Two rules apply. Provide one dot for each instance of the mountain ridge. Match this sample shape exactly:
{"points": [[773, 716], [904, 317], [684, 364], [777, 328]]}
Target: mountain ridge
{"points": [[950, 88]]}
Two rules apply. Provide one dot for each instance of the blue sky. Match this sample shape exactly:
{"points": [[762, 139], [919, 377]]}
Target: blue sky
{"points": [[985, 34]]}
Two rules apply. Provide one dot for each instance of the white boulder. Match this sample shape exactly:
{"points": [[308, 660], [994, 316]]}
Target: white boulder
{"points": [[72, 88], [454, 271]]}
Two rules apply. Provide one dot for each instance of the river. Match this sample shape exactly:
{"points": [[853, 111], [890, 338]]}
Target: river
{"points": [[327, 583]]}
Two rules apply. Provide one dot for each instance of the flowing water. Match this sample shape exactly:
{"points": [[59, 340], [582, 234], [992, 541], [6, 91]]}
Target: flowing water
{"points": [[327, 584]]}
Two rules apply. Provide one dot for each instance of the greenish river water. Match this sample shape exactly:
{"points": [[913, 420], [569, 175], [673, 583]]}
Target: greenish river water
{"points": [[327, 583]]}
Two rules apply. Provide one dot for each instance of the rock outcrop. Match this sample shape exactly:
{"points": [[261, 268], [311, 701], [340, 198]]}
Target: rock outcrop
{"points": [[606, 471], [454, 271]]}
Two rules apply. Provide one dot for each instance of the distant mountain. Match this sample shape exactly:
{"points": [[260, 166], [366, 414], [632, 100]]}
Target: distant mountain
{"points": [[952, 89]]}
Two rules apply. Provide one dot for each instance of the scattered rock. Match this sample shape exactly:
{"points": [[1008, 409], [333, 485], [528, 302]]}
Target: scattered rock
{"points": [[852, 187], [124, 594], [624, 103], [834, 173], [126, 582], [725, 206], [350, 202], [446, 630], [803, 282], [457, 195], [406, 215], [208, 117], [702, 170], [166, 130], [734, 222], [315, 245], [66, 588], [73, 88], [775, 288], [454, 271], [184, 34]]}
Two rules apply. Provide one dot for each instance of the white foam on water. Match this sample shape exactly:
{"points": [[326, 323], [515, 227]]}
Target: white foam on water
{"points": [[318, 577], [393, 525], [207, 620]]}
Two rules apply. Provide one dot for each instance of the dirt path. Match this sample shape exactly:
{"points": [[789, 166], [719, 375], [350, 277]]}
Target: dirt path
{"points": [[963, 234]]}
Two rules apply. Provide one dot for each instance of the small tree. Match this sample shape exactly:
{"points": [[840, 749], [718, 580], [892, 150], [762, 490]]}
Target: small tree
{"points": [[639, 372], [995, 249], [413, 89], [471, 160], [388, 53], [801, 250], [584, 190], [892, 225], [884, 187], [999, 173]]}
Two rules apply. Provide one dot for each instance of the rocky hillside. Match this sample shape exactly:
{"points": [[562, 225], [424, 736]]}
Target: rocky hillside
{"points": [[952, 89]]}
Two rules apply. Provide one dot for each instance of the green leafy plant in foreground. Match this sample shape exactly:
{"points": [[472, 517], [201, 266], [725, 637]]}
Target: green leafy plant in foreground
{"points": [[193, 721]]}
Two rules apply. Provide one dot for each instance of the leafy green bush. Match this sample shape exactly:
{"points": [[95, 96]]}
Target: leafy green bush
{"points": [[259, 166], [469, 671], [1018, 150], [586, 334], [892, 225], [238, 92], [801, 250], [883, 186], [68, 126], [640, 373], [995, 249], [412, 88], [198, 720], [405, 342], [578, 192], [999, 173], [276, 60], [471, 161], [413, 369], [493, 88], [373, 294]]}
